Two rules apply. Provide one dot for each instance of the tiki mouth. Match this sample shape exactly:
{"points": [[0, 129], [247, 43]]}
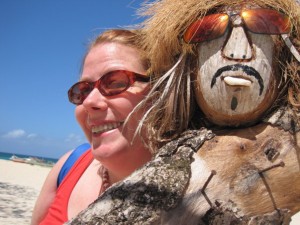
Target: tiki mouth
{"points": [[237, 81], [238, 75]]}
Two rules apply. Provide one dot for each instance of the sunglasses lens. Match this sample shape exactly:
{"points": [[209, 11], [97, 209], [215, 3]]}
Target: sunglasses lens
{"points": [[114, 82], [79, 91], [207, 28], [110, 84], [266, 21]]}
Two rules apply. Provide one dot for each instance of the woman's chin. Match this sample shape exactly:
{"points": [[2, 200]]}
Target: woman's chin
{"points": [[102, 152], [110, 148]]}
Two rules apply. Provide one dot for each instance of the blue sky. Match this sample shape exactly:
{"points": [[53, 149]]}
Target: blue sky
{"points": [[42, 43]]}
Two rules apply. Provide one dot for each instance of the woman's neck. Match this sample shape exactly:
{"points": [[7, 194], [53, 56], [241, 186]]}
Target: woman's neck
{"points": [[122, 166]]}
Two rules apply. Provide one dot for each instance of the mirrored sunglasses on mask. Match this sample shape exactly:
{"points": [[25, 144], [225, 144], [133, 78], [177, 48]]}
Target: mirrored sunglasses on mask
{"points": [[260, 21], [110, 84]]}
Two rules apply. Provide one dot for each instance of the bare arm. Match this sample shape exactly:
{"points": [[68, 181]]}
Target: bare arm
{"points": [[48, 192]]}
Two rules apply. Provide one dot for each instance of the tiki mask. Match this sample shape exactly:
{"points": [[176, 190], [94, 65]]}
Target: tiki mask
{"points": [[236, 81]]}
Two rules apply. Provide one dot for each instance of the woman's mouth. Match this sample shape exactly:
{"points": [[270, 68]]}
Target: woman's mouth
{"points": [[105, 127]]}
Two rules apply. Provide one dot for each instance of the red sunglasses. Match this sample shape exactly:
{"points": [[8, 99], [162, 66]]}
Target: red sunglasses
{"points": [[112, 83], [260, 21]]}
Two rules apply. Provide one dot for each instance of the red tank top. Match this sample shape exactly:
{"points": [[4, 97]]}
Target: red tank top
{"points": [[58, 211]]}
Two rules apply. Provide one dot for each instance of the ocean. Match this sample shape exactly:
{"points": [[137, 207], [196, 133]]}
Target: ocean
{"points": [[6, 156]]}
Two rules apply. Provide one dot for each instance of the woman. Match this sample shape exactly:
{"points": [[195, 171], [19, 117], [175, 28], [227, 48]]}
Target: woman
{"points": [[113, 82]]}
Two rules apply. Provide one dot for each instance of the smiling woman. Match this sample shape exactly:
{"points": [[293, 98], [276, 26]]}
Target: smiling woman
{"points": [[112, 83]]}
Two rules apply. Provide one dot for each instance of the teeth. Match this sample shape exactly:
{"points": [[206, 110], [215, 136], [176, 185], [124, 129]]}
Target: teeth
{"points": [[106, 127], [236, 81]]}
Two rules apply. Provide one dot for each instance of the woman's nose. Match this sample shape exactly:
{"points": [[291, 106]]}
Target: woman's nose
{"points": [[95, 101], [237, 46]]}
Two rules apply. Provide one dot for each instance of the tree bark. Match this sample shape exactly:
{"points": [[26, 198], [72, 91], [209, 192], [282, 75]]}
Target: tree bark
{"points": [[243, 176], [156, 187]]}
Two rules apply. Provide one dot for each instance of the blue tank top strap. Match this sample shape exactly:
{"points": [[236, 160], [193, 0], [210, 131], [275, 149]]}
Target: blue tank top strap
{"points": [[77, 152]]}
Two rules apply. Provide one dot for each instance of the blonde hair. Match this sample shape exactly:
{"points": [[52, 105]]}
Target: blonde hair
{"points": [[172, 96], [121, 36]]}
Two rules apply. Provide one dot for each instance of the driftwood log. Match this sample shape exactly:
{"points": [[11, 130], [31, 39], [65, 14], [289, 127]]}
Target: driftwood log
{"points": [[245, 176], [240, 176]]}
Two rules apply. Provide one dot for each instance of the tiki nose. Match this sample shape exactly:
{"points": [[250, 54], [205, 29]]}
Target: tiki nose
{"points": [[237, 46]]}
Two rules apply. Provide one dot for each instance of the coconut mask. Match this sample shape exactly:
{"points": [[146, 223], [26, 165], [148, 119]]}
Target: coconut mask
{"points": [[236, 72]]}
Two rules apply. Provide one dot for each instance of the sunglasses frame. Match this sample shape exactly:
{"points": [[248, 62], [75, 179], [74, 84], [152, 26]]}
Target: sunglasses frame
{"points": [[132, 77], [231, 24]]}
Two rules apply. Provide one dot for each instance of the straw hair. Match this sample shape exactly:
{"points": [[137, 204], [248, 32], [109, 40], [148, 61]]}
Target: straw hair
{"points": [[168, 19], [161, 38]]}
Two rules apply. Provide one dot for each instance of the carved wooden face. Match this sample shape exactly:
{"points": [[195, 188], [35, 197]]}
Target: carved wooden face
{"points": [[236, 80]]}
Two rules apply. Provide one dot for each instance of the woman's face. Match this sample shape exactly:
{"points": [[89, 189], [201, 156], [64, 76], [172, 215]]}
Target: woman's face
{"points": [[101, 117]]}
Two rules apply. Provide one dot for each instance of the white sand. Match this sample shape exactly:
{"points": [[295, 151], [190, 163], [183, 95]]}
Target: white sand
{"points": [[19, 187]]}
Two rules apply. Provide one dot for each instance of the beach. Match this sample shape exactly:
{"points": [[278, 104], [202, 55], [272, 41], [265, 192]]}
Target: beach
{"points": [[20, 184]]}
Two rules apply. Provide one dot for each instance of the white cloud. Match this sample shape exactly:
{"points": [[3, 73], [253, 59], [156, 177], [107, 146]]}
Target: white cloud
{"points": [[30, 136], [18, 133], [14, 134], [75, 138]]}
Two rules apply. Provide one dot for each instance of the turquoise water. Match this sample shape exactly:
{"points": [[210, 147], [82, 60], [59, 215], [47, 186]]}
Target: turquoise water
{"points": [[6, 156]]}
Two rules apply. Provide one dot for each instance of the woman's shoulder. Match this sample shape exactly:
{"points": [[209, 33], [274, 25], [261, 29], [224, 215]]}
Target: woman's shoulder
{"points": [[69, 159]]}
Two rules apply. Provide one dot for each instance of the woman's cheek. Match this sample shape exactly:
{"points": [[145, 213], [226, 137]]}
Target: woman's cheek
{"points": [[81, 117]]}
